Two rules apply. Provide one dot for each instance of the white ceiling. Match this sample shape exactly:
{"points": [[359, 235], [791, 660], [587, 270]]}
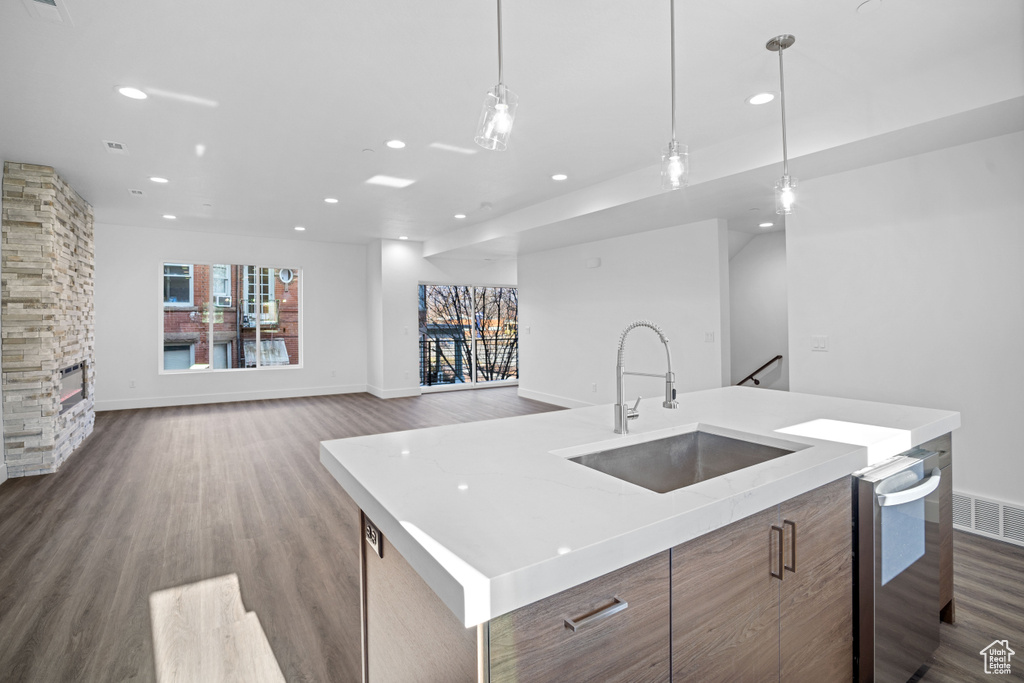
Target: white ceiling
{"points": [[287, 97]]}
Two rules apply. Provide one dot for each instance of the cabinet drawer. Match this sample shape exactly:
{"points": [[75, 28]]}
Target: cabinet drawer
{"points": [[534, 643]]}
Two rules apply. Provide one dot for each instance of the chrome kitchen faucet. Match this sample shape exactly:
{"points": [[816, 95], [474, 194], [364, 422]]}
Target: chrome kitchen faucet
{"points": [[623, 413]]}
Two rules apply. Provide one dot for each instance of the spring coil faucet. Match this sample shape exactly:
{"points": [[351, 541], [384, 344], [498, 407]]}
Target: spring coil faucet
{"points": [[623, 413]]}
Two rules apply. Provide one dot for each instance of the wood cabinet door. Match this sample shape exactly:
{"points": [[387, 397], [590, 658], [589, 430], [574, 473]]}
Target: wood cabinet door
{"points": [[631, 645], [725, 603], [816, 608]]}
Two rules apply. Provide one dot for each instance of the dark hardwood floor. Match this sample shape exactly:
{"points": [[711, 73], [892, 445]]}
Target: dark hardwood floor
{"points": [[162, 497], [988, 586]]}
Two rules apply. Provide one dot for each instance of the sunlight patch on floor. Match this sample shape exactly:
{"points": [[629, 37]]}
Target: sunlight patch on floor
{"points": [[201, 632]]}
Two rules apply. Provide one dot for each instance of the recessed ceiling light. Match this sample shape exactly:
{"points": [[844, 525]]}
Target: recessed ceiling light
{"points": [[403, 237], [765, 225], [761, 98], [390, 181], [395, 144], [132, 93], [330, 200], [170, 217], [299, 228], [460, 216], [559, 176], [158, 179]]}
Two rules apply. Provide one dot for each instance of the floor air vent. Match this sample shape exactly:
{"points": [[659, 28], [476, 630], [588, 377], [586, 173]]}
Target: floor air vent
{"points": [[989, 518]]}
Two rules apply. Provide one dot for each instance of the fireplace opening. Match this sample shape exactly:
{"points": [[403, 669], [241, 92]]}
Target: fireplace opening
{"points": [[72, 386]]}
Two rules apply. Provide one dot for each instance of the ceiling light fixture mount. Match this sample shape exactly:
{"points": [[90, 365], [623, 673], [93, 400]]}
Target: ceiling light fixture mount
{"points": [[675, 160], [784, 195], [499, 112]]}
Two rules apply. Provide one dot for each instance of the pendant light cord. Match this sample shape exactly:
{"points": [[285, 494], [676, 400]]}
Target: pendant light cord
{"points": [[782, 91], [672, 32], [501, 79]]}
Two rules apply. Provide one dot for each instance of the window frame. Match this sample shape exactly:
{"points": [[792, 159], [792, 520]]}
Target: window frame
{"points": [[191, 285], [268, 288]]}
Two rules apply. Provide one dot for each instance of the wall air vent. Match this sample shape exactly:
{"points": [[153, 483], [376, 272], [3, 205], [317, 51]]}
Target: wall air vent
{"points": [[50, 11], [115, 147], [136, 193], [961, 510], [990, 518]]}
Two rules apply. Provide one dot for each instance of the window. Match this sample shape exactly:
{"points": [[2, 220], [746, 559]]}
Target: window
{"points": [[177, 284], [259, 284], [220, 314], [220, 283], [468, 335], [221, 356], [178, 357]]}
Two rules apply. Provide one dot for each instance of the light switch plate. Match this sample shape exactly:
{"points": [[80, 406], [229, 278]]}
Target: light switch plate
{"points": [[819, 342]]}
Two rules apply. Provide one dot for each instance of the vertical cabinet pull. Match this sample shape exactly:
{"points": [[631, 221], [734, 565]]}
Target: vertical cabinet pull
{"points": [[782, 560], [792, 546], [580, 622]]}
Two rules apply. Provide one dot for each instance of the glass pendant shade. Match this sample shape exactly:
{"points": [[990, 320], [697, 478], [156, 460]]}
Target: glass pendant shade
{"points": [[675, 166], [496, 119], [785, 197]]}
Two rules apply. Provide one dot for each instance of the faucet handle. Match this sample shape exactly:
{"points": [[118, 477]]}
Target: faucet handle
{"points": [[633, 413]]}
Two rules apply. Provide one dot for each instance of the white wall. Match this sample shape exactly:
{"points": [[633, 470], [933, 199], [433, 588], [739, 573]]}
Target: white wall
{"points": [[128, 318], [395, 269], [758, 312], [571, 316], [915, 271]]}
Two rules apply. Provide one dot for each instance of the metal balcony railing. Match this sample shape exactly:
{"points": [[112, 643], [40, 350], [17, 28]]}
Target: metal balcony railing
{"points": [[447, 360]]}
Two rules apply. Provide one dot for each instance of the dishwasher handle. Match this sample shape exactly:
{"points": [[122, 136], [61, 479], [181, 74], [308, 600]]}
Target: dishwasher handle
{"points": [[914, 493]]}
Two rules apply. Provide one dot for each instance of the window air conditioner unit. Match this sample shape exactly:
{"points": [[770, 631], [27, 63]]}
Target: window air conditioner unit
{"points": [[222, 300]]}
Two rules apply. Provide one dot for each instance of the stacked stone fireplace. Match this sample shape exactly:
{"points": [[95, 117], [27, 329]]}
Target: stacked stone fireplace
{"points": [[46, 321]]}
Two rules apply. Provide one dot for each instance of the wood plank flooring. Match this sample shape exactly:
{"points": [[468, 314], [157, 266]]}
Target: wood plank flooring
{"points": [[988, 586], [162, 497]]}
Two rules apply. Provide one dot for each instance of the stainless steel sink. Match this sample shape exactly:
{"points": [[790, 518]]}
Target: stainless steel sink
{"points": [[667, 464]]}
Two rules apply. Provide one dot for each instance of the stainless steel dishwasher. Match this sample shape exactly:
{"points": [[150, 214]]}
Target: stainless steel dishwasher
{"points": [[896, 527]]}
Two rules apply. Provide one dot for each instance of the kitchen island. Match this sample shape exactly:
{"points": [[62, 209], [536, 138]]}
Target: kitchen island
{"points": [[494, 516]]}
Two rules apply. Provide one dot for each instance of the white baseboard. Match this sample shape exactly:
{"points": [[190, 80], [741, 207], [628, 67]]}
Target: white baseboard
{"points": [[3, 472], [199, 399], [553, 399], [393, 393]]}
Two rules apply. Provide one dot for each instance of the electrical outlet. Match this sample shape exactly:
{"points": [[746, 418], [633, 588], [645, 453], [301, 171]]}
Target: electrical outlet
{"points": [[593, 387], [131, 384], [709, 337], [334, 373]]}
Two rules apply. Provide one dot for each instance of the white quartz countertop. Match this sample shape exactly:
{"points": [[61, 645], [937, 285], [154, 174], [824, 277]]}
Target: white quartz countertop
{"points": [[494, 516]]}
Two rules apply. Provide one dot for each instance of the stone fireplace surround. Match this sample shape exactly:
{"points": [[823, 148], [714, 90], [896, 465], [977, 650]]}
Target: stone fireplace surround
{"points": [[46, 317]]}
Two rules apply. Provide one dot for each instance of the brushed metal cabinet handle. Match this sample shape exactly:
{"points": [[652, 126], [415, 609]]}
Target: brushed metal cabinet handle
{"points": [[792, 545], [782, 535], [614, 608]]}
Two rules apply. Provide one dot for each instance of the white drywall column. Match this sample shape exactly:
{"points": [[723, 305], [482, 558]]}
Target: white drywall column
{"points": [[913, 270], [575, 301], [392, 347]]}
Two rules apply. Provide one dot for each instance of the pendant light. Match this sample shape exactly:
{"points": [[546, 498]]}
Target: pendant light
{"points": [[499, 110], [675, 161], [784, 195]]}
